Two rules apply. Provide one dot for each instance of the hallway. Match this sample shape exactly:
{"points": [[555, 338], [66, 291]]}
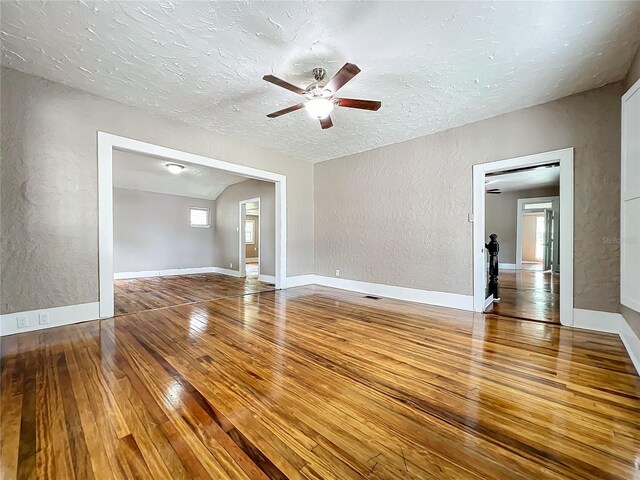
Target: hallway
{"points": [[528, 295]]}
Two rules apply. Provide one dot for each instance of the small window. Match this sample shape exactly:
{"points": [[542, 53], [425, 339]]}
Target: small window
{"points": [[250, 231], [200, 217], [538, 206]]}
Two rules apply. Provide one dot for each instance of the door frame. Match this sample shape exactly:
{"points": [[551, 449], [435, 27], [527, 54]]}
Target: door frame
{"points": [[565, 158], [521, 203], [108, 142], [242, 254]]}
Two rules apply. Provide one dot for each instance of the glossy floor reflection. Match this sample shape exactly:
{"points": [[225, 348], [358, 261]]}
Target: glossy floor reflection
{"points": [[315, 383], [139, 294], [529, 295]]}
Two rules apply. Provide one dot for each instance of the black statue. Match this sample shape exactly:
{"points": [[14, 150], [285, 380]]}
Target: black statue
{"points": [[493, 247]]}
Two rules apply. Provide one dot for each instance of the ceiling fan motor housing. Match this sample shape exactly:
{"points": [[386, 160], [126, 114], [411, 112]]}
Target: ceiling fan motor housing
{"points": [[319, 73]]}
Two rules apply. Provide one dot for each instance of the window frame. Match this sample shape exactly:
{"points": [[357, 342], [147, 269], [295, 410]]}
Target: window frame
{"points": [[253, 232], [195, 225]]}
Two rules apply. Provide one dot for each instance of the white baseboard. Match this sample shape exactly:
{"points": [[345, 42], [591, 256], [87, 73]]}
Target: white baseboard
{"points": [[505, 266], [300, 280], [163, 273], [488, 301], [253, 259], [594, 320], [58, 316], [631, 343], [610, 323], [443, 299], [226, 271], [267, 278]]}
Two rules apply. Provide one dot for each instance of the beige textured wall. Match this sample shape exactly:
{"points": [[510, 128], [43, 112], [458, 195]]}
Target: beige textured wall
{"points": [[227, 223], [375, 210], [49, 206], [501, 217]]}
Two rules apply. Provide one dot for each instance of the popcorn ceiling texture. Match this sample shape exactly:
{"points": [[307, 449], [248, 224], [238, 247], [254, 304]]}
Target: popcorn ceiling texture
{"points": [[397, 215], [48, 173], [434, 65]]}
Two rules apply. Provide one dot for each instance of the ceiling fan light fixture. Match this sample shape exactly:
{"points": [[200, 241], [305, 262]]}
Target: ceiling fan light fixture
{"points": [[319, 107], [174, 168]]}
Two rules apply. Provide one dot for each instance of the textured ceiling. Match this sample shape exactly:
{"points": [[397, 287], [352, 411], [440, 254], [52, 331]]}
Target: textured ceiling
{"points": [[535, 178], [149, 174], [434, 65]]}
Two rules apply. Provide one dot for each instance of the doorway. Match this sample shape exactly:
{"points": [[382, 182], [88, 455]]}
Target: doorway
{"points": [[538, 234], [107, 143], [250, 236], [533, 241]]}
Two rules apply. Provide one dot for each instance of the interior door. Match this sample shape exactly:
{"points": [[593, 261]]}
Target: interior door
{"points": [[548, 239]]}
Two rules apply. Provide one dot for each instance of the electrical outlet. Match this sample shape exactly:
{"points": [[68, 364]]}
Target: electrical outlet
{"points": [[470, 218], [43, 318], [231, 265], [22, 321], [337, 273]]}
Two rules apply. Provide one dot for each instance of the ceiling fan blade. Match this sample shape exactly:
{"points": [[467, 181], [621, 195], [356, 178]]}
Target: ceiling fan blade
{"points": [[326, 123], [346, 73], [290, 109], [281, 83], [361, 104]]}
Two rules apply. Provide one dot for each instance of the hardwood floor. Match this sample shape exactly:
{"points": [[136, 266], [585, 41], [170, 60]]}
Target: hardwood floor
{"points": [[313, 383], [138, 294], [528, 295]]}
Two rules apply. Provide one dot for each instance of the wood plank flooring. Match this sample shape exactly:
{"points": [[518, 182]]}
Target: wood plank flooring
{"points": [[313, 383], [138, 294], [528, 295]]}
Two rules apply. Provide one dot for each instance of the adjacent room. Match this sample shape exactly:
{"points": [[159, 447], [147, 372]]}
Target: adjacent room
{"points": [[319, 240], [177, 236], [522, 208]]}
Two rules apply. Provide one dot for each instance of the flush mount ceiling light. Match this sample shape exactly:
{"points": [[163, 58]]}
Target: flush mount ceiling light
{"points": [[174, 168], [319, 95]]}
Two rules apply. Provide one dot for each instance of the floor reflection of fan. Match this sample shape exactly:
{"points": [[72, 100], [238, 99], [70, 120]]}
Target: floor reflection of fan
{"points": [[319, 95]]}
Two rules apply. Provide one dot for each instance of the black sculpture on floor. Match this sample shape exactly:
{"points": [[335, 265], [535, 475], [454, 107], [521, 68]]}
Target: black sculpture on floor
{"points": [[493, 247]]}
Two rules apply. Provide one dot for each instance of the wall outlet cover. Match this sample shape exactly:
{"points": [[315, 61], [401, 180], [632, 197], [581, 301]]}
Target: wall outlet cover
{"points": [[337, 273], [22, 321], [43, 318]]}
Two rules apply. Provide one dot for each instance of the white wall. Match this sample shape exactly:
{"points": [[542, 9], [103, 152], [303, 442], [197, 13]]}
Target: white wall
{"points": [[151, 231]]}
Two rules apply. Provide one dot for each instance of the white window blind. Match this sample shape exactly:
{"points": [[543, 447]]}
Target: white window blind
{"points": [[199, 217]]}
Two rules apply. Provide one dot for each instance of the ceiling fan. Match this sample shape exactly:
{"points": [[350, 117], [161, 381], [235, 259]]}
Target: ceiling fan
{"points": [[495, 191], [319, 95]]}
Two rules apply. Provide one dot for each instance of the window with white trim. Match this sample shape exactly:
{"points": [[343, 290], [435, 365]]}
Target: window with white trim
{"points": [[200, 217], [250, 231]]}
